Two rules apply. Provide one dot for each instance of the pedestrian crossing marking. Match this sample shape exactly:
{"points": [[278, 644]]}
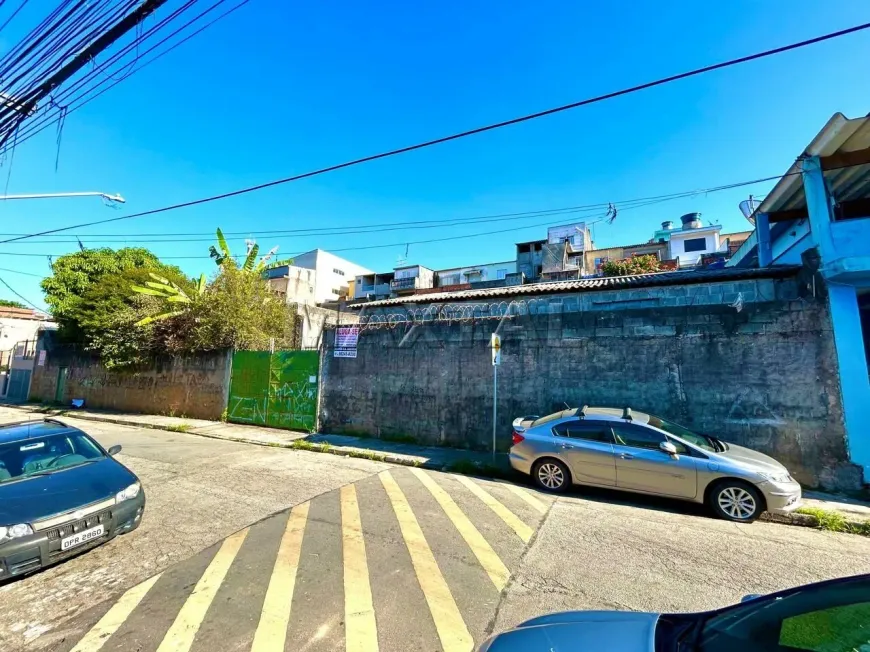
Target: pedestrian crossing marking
{"points": [[114, 618], [180, 636], [523, 531], [361, 632], [451, 628], [525, 495], [272, 628], [492, 564]]}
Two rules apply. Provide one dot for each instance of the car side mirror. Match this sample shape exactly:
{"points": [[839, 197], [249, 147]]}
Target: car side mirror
{"points": [[114, 450], [669, 448]]}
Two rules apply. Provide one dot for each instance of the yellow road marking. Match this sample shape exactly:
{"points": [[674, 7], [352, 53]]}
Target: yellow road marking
{"points": [[114, 618], [494, 567], [180, 636], [451, 628], [361, 632], [523, 531], [272, 629], [526, 496]]}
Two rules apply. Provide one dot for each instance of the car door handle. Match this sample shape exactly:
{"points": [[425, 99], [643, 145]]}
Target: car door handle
{"points": [[626, 456], [568, 446]]}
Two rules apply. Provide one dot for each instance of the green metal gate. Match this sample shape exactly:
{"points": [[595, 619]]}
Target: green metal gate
{"points": [[274, 389]]}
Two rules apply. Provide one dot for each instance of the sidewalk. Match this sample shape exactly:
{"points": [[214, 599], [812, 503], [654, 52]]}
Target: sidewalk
{"points": [[433, 457], [828, 511]]}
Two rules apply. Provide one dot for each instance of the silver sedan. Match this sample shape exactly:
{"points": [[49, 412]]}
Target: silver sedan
{"points": [[643, 453]]}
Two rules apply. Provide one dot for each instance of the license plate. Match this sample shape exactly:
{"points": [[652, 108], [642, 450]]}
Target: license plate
{"points": [[82, 537]]}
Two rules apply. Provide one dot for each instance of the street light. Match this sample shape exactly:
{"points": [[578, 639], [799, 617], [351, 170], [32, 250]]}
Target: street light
{"points": [[111, 198]]}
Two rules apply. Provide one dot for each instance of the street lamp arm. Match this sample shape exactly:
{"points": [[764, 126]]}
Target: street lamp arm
{"points": [[54, 195]]}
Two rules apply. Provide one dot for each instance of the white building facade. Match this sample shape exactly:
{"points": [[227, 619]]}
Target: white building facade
{"points": [[327, 278]]}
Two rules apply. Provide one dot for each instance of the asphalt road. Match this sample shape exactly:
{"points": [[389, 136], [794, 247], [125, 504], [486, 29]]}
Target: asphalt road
{"points": [[198, 491], [375, 557]]}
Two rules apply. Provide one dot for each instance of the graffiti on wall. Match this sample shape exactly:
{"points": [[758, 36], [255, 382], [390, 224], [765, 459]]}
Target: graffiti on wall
{"points": [[274, 389]]}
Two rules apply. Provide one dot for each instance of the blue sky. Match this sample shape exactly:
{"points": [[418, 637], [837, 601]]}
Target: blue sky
{"points": [[277, 89]]}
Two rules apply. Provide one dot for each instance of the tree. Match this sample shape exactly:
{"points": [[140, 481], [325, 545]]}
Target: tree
{"points": [[645, 264], [169, 292], [5, 303], [89, 295], [222, 255]]}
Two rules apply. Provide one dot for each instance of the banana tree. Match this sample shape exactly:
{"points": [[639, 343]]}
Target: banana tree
{"points": [[222, 255], [169, 292]]}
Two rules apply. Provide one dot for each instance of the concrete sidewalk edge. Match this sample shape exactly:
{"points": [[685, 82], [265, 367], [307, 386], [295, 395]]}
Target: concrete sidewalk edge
{"points": [[793, 518]]}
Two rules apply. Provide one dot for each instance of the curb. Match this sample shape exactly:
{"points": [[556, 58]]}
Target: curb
{"points": [[311, 447], [793, 518]]}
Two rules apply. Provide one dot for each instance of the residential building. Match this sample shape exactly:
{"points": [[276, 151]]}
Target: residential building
{"points": [[486, 272], [530, 258], [688, 244], [409, 278], [818, 214], [595, 258], [19, 328], [373, 286], [329, 282]]}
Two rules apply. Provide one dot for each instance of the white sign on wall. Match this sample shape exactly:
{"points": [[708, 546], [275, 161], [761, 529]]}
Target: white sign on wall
{"points": [[346, 337], [41, 361], [344, 353]]}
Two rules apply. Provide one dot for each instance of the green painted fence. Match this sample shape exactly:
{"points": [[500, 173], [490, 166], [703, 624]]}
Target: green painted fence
{"points": [[274, 389]]}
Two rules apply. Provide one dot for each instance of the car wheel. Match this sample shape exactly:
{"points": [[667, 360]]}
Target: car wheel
{"points": [[551, 475], [736, 501]]}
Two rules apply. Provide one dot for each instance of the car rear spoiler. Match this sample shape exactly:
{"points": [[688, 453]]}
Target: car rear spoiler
{"points": [[518, 422]]}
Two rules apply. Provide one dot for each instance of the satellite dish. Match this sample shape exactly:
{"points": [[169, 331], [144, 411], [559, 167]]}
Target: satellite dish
{"points": [[748, 208]]}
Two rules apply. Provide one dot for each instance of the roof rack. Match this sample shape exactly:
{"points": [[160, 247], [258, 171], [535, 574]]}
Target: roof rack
{"points": [[582, 412], [626, 414]]}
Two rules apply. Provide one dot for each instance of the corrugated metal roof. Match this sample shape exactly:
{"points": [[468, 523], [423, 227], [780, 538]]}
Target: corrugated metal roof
{"points": [[596, 284], [839, 135]]}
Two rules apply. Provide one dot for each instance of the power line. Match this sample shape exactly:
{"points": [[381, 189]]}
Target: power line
{"points": [[464, 134], [24, 299], [74, 104], [15, 271]]}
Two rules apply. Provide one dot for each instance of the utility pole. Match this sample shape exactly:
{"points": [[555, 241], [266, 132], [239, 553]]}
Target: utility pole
{"points": [[495, 346]]}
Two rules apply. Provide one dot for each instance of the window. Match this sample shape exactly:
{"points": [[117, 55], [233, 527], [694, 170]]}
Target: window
{"points": [[46, 455], [500, 274], [588, 430], [539, 270], [695, 244], [831, 617], [637, 437], [337, 271], [701, 441]]}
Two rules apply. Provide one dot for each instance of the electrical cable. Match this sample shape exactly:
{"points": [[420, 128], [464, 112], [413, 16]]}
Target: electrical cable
{"points": [[464, 134], [14, 14], [24, 299], [46, 121]]}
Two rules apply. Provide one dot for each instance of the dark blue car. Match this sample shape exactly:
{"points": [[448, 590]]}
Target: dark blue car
{"points": [[60, 493]]}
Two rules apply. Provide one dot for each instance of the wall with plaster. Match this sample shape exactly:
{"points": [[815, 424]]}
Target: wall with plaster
{"points": [[192, 386], [764, 376]]}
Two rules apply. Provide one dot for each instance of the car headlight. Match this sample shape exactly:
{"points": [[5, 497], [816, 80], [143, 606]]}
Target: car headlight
{"points": [[130, 492], [15, 531], [776, 477]]}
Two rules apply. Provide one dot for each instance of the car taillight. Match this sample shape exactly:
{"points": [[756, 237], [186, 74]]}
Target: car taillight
{"points": [[517, 438]]}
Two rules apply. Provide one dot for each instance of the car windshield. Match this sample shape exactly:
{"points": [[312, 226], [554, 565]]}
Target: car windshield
{"points": [[40, 455], [701, 441]]}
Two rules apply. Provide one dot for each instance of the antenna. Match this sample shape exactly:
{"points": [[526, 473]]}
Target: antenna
{"points": [[748, 208]]}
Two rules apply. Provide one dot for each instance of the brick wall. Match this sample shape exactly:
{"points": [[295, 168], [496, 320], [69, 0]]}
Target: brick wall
{"points": [[194, 386], [764, 376]]}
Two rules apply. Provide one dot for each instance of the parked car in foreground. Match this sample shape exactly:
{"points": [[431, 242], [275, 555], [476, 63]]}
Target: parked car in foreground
{"points": [[832, 616], [643, 453], [60, 493]]}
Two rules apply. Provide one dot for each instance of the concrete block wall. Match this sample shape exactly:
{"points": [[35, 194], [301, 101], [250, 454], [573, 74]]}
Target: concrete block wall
{"points": [[193, 386], [764, 376]]}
